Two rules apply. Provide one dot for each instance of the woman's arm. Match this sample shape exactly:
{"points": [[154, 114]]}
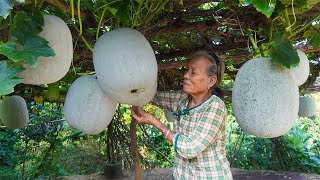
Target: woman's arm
{"points": [[143, 117], [204, 135]]}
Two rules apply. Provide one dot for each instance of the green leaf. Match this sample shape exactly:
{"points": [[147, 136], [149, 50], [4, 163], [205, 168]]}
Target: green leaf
{"points": [[315, 41], [316, 160], [282, 51], [123, 15], [28, 49], [4, 23], [113, 11], [8, 78], [265, 6], [5, 7], [53, 91], [245, 2], [31, 24]]}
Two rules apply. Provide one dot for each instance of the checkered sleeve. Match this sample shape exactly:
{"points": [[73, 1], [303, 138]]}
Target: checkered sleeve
{"points": [[167, 99], [208, 127]]}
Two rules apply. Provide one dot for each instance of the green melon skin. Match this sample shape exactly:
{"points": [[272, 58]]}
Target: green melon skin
{"points": [[14, 112]]}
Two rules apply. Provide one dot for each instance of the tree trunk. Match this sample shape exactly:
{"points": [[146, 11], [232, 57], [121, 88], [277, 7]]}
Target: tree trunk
{"points": [[134, 150]]}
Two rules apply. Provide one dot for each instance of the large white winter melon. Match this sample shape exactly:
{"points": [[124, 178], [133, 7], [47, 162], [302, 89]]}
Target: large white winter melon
{"points": [[265, 98], [52, 69], [307, 106], [126, 66], [86, 107], [14, 112], [301, 72]]}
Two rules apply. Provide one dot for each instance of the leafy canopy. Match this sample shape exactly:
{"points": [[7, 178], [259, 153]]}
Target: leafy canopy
{"points": [[282, 51], [8, 78]]}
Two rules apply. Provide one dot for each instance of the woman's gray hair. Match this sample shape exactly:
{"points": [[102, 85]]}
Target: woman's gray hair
{"points": [[217, 66]]}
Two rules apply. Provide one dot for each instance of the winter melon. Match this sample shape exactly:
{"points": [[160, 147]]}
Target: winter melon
{"points": [[307, 106], [301, 72], [14, 112], [126, 66], [86, 107], [265, 98], [52, 69]]}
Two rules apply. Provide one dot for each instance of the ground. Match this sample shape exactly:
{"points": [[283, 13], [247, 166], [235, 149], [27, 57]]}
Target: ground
{"points": [[238, 174]]}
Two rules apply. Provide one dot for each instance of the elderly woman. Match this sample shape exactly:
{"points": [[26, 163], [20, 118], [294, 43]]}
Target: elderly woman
{"points": [[199, 139]]}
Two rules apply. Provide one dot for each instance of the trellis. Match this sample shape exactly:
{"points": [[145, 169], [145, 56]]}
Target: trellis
{"points": [[174, 34]]}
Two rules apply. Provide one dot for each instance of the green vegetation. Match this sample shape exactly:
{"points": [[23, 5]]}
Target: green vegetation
{"points": [[49, 147]]}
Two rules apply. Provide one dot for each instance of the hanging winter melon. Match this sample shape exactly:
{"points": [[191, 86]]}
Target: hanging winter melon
{"points": [[14, 112], [52, 69], [169, 115], [301, 72], [126, 66], [86, 107], [265, 98], [307, 106]]}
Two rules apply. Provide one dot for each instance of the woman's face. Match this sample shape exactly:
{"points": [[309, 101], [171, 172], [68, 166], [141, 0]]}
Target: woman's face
{"points": [[196, 80]]}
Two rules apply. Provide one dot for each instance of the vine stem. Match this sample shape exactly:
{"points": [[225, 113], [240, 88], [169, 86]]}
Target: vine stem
{"points": [[106, 6], [72, 9], [271, 30], [305, 26], [83, 38], [254, 43], [79, 17], [100, 22], [286, 17]]}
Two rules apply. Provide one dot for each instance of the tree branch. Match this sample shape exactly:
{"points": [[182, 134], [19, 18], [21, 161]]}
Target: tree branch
{"points": [[184, 27], [192, 3], [172, 65]]}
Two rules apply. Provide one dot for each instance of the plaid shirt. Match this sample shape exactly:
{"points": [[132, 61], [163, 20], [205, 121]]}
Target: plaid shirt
{"points": [[200, 139]]}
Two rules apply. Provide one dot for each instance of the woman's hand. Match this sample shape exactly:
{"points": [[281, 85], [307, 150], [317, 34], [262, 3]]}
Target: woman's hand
{"points": [[141, 116]]}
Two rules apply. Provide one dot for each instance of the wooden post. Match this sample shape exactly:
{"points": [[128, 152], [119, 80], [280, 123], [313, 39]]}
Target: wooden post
{"points": [[134, 150]]}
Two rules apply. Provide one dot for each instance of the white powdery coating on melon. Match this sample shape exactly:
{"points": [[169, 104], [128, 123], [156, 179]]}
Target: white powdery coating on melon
{"points": [[126, 66], [54, 68], [14, 112], [86, 107], [307, 106], [265, 98], [301, 72]]}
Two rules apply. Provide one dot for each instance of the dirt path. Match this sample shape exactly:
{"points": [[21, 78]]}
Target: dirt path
{"points": [[238, 174]]}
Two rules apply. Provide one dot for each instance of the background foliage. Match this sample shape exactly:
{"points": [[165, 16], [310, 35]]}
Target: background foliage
{"points": [[50, 148], [235, 30]]}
